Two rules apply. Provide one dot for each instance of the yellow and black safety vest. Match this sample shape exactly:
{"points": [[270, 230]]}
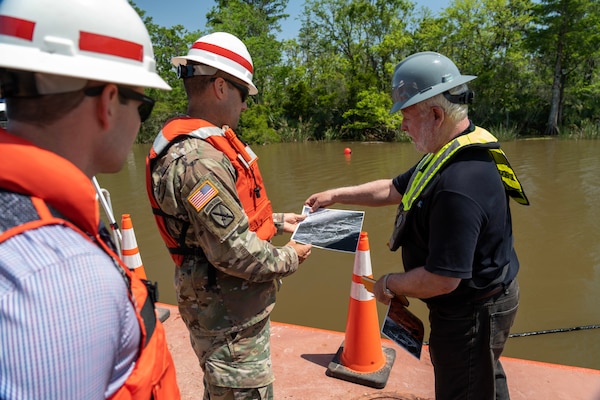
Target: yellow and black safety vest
{"points": [[432, 163]]}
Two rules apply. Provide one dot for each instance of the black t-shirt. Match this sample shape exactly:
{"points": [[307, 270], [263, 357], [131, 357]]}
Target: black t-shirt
{"points": [[462, 226]]}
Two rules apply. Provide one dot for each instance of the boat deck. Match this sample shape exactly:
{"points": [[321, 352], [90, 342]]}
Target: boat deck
{"points": [[301, 356]]}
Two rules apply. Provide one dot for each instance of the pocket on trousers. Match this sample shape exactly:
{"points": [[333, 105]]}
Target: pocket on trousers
{"points": [[500, 324]]}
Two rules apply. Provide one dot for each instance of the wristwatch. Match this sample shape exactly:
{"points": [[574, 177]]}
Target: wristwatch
{"points": [[387, 292]]}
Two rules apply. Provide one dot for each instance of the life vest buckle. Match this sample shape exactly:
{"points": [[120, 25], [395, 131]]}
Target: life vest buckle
{"points": [[152, 288]]}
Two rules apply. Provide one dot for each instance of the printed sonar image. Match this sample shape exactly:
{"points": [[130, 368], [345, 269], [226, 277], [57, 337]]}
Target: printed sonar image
{"points": [[404, 328], [330, 229]]}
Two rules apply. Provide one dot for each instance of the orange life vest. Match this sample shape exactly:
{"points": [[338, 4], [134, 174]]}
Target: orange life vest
{"points": [[249, 183], [61, 194]]}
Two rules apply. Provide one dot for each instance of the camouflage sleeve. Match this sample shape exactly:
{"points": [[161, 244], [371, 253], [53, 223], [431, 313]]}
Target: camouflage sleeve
{"points": [[201, 185]]}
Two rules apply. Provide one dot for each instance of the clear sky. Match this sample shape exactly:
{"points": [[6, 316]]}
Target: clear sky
{"points": [[192, 13]]}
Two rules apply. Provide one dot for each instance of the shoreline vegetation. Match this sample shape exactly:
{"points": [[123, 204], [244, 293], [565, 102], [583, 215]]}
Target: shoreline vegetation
{"points": [[537, 66], [587, 131]]}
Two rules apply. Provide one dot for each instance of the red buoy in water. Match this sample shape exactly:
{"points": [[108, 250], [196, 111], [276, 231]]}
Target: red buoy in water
{"points": [[347, 150]]}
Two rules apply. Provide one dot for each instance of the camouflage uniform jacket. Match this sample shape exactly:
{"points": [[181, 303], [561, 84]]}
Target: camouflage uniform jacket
{"points": [[247, 268]]}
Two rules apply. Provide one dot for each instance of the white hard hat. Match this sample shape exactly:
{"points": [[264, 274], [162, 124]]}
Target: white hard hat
{"points": [[102, 40], [223, 51]]}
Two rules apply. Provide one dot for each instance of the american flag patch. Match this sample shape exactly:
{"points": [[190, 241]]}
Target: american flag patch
{"points": [[201, 196]]}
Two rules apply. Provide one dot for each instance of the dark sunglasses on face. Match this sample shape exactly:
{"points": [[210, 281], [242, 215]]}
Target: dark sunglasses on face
{"points": [[144, 109], [244, 91]]}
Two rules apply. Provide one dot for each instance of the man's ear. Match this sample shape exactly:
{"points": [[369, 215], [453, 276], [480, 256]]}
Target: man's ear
{"points": [[218, 86], [108, 101], [438, 114]]}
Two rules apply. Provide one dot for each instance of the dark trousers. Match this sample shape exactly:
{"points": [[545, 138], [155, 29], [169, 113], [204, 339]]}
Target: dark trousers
{"points": [[465, 346]]}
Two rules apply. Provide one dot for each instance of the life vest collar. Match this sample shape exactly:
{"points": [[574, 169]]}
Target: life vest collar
{"points": [[52, 181], [201, 132]]}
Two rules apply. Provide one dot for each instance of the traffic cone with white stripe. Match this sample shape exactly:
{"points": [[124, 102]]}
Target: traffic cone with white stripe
{"points": [[129, 248], [361, 358]]}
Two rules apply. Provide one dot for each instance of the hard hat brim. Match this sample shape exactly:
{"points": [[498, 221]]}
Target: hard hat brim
{"points": [[123, 73], [430, 92], [183, 60]]}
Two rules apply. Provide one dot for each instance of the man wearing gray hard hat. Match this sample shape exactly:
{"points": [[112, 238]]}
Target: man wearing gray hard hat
{"points": [[454, 226]]}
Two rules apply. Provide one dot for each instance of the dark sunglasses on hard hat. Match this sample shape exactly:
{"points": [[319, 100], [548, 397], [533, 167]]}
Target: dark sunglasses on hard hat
{"points": [[244, 91], [144, 109]]}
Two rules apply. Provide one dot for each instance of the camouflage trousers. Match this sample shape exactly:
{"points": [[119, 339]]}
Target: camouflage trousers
{"points": [[237, 366], [221, 393]]}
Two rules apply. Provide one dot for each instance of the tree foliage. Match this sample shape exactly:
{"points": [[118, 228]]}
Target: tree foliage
{"points": [[562, 38], [537, 63], [167, 42]]}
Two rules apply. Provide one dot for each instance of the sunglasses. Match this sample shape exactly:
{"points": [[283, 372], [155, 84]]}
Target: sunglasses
{"points": [[144, 109], [244, 91]]}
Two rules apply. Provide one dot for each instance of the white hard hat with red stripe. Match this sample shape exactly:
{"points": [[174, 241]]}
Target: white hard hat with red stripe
{"points": [[102, 40], [225, 52]]}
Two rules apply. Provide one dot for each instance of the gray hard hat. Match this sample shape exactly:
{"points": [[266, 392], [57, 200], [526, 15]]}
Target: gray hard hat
{"points": [[423, 75]]}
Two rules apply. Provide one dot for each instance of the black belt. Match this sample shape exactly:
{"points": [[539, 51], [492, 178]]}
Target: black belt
{"points": [[490, 293]]}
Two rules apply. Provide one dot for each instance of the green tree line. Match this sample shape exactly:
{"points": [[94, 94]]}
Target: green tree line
{"points": [[537, 62]]}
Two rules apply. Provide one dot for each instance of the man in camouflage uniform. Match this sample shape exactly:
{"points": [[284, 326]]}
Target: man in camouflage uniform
{"points": [[214, 215]]}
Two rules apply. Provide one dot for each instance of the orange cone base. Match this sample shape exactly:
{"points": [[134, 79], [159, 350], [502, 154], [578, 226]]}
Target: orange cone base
{"points": [[376, 379]]}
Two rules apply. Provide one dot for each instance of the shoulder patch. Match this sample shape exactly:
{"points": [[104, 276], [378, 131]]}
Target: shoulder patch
{"points": [[222, 215], [202, 195]]}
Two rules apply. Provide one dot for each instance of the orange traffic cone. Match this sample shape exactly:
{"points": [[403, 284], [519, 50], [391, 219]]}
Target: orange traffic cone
{"points": [[361, 358], [129, 248]]}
